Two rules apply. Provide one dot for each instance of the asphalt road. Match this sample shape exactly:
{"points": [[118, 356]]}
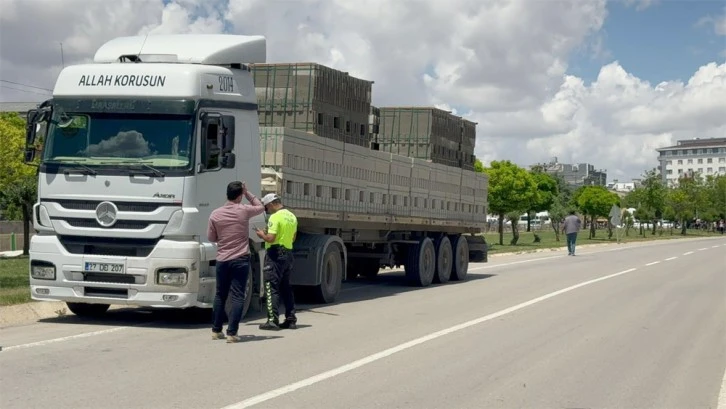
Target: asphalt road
{"points": [[618, 327]]}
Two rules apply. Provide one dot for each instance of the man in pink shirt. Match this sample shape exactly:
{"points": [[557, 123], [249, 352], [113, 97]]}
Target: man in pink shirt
{"points": [[229, 228]]}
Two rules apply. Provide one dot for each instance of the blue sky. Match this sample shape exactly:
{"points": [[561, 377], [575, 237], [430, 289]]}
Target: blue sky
{"points": [[659, 43]]}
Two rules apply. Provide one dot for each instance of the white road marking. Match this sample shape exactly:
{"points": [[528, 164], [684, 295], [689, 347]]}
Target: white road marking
{"points": [[702, 249], [713, 247], [407, 345], [721, 403], [514, 262], [687, 253], [68, 338], [359, 287], [653, 263], [671, 258]]}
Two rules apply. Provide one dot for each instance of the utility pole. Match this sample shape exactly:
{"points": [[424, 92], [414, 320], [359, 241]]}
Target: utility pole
{"points": [[63, 63]]}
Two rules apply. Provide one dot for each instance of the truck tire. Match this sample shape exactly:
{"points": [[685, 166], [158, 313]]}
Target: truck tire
{"points": [[461, 259], [331, 272], [421, 263], [88, 310], [248, 298], [444, 260]]}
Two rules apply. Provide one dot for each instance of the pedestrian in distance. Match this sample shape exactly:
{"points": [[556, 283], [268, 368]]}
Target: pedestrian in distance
{"points": [[229, 229], [279, 237], [570, 227]]}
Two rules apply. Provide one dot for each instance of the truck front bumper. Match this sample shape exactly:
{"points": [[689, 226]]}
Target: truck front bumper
{"points": [[137, 285]]}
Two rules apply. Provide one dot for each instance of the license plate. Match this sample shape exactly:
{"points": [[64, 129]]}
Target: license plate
{"points": [[103, 267]]}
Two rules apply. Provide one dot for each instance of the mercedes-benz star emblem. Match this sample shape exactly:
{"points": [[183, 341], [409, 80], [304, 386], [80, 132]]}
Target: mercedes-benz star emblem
{"points": [[106, 214]]}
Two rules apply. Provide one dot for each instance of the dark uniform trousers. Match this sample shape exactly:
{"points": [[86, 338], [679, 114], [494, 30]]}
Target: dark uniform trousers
{"points": [[278, 266]]}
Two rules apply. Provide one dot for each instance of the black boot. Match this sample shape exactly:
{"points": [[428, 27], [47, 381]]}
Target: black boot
{"points": [[270, 325], [289, 323]]}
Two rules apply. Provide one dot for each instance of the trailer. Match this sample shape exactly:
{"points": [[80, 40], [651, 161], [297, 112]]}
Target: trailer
{"points": [[139, 146], [373, 209]]}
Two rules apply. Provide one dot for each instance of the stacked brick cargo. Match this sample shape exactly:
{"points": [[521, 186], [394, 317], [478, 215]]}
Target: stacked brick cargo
{"points": [[428, 133], [374, 123], [468, 142], [314, 98]]}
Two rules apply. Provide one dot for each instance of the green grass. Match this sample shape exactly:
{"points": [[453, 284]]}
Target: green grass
{"points": [[14, 285], [548, 241]]}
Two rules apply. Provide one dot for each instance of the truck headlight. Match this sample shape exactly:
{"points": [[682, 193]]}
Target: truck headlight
{"points": [[42, 271], [172, 276]]}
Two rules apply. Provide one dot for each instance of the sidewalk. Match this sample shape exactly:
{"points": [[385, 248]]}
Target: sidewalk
{"points": [[9, 254]]}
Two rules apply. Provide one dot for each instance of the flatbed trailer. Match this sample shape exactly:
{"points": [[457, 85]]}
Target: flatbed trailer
{"points": [[360, 210]]}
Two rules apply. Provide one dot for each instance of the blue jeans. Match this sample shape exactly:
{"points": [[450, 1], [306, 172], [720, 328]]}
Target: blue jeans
{"points": [[571, 239], [231, 281]]}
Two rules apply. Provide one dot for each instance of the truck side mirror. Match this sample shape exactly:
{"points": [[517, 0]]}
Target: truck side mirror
{"points": [[31, 126], [227, 142], [29, 154]]}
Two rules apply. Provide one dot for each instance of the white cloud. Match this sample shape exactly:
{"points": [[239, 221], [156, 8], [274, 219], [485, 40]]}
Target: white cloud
{"points": [[718, 22], [504, 61]]}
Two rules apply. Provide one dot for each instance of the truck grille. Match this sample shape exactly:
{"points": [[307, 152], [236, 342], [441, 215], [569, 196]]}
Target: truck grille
{"points": [[109, 278], [121, 224], [106, 292], [108, 246], [142, 207]]}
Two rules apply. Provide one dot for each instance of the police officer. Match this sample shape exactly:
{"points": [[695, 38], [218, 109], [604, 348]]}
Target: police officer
{"points": [[281, 233]]}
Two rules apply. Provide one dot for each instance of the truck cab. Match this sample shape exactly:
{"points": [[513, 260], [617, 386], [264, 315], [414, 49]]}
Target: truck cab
{"points": [[137, 150]]}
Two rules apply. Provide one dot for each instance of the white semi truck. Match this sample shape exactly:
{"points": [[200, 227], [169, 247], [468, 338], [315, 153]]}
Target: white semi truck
{"points": [[137, 150]]}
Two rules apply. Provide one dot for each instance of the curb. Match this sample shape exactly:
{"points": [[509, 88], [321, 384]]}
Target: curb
{"points": [[30, 312], [580, 246]]}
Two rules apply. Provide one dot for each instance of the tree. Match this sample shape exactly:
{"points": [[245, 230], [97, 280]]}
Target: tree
{"points": [[511, 189], [678, 202], [653, 195], [716, 195], [478, 166], [628, 222], [18, 182], [545, 194], [561, 204], [558, 212], [596, 201]]}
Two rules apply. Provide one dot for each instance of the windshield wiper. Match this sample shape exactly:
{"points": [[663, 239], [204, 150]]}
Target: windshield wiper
{"points": [[81, 168], [156, 172]]}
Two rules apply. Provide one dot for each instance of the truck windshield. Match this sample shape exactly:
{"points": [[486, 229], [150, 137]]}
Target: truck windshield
{"points": [[163, 141]]}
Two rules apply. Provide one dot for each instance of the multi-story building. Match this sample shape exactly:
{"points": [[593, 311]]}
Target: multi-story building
{"points": [[691, 157], [576, 175]]}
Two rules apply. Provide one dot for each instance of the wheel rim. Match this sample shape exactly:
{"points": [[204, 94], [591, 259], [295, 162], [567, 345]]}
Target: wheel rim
{"points": [[445, 259], [329, 265], [428, 258], [462, 257]]}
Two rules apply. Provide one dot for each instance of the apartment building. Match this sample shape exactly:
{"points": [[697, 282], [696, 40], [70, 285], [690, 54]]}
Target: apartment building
{"points": [[575, 175], [692, 157]]}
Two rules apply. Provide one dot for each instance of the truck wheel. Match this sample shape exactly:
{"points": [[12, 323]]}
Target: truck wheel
{"points": [[461, 259], [421, 264], [247, 302], [88, 310], [332, 275], [444, 260]]}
